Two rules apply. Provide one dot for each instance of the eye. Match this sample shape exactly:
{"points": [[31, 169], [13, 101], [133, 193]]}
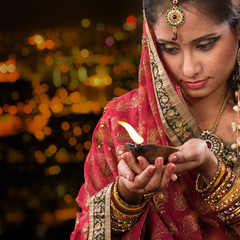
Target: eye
{"points": [[207, 44], [168, 48]]}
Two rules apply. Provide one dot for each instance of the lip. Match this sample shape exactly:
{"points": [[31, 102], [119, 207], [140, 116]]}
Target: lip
{"points": [[196, 84]]}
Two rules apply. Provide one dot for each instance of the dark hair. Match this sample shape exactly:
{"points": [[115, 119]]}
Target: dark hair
{"points": [[219, 11]]}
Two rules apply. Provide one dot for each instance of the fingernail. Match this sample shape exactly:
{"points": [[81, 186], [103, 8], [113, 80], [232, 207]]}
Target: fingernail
{"points": [[151, 169], [128, 177], [140, 160], [174, 177], [126, 157], [173, 158], [159, 161], [170, 167]]}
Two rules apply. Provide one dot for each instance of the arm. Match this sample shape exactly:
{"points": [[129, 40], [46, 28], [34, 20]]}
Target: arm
{"points": [[100, 169], [217, 183]]}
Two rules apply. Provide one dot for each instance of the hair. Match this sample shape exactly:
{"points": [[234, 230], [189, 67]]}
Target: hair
{"points": [[219, 11]]}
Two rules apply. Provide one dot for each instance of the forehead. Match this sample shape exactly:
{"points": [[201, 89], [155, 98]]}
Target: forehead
{"points": [[195, 25]]}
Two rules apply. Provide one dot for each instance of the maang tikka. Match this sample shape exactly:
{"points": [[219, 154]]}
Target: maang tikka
{"points": [[175, 18]]}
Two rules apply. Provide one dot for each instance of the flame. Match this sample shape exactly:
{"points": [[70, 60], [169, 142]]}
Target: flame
{"points": [[132, 132]]}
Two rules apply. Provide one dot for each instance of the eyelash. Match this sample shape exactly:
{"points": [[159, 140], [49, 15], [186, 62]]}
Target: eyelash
{"points": [[207, 46], [202, 47]]}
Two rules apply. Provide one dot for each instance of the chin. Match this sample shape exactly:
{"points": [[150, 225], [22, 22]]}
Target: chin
{"points": [[196, 94]]}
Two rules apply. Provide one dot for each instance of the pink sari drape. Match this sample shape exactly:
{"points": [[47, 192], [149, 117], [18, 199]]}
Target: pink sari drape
{"points": [[158, 114]]}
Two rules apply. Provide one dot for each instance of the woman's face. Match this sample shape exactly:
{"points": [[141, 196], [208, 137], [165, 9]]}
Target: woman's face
{"points": [[202, 58]]}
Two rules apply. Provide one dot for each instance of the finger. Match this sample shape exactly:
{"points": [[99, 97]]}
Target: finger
{"points": [[141, 180], [125, 171], [132, 162], [143, 162], [167, 175], [153, 183], [181, 168], [174, 177], [181, 157]]}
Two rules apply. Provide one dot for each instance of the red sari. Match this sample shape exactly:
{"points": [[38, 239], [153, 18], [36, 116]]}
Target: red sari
{"points": [[157, 112]]}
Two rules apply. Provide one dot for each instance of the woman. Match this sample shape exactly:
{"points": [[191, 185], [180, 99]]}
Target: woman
{"points": [[187, 81]]}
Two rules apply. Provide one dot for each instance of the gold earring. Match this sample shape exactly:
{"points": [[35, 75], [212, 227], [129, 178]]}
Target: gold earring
{"points": [[175, 18]]}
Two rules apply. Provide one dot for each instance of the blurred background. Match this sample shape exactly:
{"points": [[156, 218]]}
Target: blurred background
{"points": [[60, 63]]}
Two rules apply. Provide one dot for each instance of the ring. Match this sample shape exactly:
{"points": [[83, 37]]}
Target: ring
{"points": [[146, 192]]}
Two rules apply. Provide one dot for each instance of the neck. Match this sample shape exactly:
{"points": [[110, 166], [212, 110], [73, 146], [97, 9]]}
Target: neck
{"points": [[206, 109]]}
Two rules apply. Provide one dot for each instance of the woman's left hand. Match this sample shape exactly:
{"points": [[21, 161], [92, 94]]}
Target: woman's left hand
{"points": [[195, 154]]}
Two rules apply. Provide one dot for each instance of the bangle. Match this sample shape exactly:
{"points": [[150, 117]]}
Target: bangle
{"points": [[224, 187], [229, 198], [120, 202], [123, 215], [201, 185], [223, 195]]}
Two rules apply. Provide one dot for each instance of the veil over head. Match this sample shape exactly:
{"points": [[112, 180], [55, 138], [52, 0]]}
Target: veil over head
{"points": [[155, 109]]}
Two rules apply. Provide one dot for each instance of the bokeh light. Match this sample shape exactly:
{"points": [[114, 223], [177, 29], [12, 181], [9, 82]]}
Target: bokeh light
{"points": [[55, 85]]}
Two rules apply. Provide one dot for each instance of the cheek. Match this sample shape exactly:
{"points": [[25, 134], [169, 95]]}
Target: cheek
{"points": [[223, 61], [171, 63]]}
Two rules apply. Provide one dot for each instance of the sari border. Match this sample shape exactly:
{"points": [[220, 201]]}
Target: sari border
{"points": [[181, 112], [99, 215]]}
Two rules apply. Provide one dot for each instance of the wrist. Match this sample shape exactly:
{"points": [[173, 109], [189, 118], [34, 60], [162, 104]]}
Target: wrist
{"points": [[127, 195], [209, 169]]}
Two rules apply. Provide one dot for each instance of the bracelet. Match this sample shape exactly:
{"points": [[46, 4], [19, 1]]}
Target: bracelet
{"points": [[201, 185], [225, 186], [123, 215], [222, 194], [120, 202]]}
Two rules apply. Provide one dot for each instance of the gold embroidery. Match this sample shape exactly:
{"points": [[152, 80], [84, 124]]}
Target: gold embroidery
{"points": [[189, 226], [159, 231], [120, 150], [105, 171], [202, 207], [153, 136], [86, 202], [173, 229], [127, 104], [180, 202], [172, 110], [153, 106], [159, 199], [107, 106], [98, 137], [123, 136]]}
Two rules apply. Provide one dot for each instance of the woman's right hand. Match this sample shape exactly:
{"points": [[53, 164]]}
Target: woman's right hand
{"points": [[138, 177]]}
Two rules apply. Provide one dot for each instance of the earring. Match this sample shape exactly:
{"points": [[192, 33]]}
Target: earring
{"points": [[175, 18]]}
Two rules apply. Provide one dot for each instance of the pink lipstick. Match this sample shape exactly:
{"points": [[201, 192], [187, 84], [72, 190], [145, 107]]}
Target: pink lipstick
{"points": [[196, 84]]}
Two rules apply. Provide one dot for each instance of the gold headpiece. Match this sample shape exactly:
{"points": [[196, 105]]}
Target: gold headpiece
{"points": [[175, 18]]}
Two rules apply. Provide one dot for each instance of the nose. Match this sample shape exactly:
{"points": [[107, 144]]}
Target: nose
{"points": [[191, 66]]}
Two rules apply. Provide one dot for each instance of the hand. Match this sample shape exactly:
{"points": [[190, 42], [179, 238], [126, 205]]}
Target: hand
{"points": [[139, 177], [195, 154]]}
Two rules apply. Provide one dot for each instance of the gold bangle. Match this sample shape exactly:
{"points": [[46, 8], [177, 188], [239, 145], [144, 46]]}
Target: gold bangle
{"points": [[229, 198], [211, 198], [122, 230], [123, 216], [122, 203], [200, 181], [120, 224]]}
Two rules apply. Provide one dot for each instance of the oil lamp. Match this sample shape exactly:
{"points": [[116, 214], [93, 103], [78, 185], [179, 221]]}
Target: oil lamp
{"points": [[149, 151]]}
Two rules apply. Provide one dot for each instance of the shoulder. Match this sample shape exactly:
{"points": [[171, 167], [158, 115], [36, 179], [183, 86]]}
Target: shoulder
{"points": [[123, 102]]}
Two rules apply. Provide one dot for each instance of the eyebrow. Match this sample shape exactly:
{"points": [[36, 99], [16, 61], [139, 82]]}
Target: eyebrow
{"points": [[194, 40]]}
